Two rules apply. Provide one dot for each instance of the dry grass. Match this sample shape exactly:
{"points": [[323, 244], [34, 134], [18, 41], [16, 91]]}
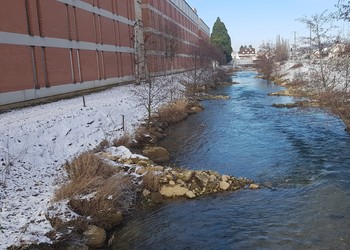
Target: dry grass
{"points": [[113, 194], [296, 66], [173, 112], [124, 140], [102, 145], [151, 181], [85, 172], [95, 189]]}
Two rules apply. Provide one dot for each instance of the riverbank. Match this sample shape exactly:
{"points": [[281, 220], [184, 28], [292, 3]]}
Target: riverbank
{"points": [[298, 79]]}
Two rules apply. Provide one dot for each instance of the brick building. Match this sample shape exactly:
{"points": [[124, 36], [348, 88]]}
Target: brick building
{"points": [[51, 47]]}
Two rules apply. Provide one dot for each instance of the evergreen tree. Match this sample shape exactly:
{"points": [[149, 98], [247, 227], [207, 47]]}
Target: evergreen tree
{"points": [[221, 39]]}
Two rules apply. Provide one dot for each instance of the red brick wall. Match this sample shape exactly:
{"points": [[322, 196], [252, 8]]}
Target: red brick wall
{"points": [[107, 30], [58, 66], [53, 19], [85, 25], [88, 63], [82, 51], [15, 68], [13, 17], [110, 61]]}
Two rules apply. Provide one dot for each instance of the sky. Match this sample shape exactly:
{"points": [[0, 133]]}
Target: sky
{"points": [[254, 21]]}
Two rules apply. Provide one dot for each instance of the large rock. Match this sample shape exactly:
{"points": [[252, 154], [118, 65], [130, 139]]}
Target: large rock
{"points": [[157, 154], [108, 220], [190, 195], [202, 179], [185, 175], [95, 236], [224, 185], [173, 191], [195, 109]]}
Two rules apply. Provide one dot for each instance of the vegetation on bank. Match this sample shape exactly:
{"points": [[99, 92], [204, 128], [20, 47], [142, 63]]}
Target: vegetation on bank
{"points": [[317, 69]]}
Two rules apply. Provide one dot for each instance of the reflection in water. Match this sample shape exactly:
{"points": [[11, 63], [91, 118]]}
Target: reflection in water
{"points": [[302, 157]]}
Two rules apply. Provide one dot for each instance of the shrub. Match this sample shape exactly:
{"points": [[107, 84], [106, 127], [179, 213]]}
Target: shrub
{"points": [[124, 140], [96, 189], [296, 66], [102, 145], [84, 172], [173, 112], [112, 195]]}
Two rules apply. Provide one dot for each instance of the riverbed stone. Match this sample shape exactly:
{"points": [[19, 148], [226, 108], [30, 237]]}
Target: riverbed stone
{"points": [[146, 192], [190, 195], [157, 168], [174, 191], [180, 182], [142, 163], [141, 170], [225, 178], [224, 185], [95, 236], [156, 197], [128, 162], [202, 178], [108, 220], [157, 154], [195, 109], [186, 175], [254, 186]]}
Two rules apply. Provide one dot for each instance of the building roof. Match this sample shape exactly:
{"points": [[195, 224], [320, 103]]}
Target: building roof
{"points": [[244, 50]]}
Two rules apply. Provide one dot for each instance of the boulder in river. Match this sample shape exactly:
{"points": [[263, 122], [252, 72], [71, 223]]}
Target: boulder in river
{"points": [[157, 154], [95, 236], [173, 191]]}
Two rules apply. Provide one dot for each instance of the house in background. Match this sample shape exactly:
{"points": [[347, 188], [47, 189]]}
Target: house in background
{"points": [[246, 52], [245, 56]]}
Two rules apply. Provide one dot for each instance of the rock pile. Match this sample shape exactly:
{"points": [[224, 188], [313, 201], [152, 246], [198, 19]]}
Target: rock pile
{"points": [[173, 182], [154, 184]]}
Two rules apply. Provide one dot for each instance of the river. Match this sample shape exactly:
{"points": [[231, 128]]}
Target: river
{"points": [[300, 156]]}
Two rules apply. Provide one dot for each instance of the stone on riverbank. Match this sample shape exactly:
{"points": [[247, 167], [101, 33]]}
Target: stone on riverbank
{"points": [[224, 185], [156, 154], [173, 191], [95, 236]]}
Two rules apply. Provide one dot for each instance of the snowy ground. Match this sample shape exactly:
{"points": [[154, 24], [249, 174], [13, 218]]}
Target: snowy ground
{"points": [[36, 141]]}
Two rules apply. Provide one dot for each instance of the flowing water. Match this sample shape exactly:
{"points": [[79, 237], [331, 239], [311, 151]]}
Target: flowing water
{"points": [[302, 158]]}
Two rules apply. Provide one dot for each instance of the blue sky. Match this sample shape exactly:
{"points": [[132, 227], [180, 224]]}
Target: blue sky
{"points": [[254, 21]]}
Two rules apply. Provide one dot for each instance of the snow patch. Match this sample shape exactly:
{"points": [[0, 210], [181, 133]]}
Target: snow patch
{"points": [[36, 141]]}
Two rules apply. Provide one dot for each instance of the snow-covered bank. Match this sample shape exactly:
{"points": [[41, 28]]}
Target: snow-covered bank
{"points": [[36, 141]]}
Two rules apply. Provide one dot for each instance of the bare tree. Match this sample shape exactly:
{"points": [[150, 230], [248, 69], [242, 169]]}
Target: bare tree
{"points": [[171, 44], [281, 49], [320, 26], [266, 59], [344, 9], [149, 92], [204, 71]]}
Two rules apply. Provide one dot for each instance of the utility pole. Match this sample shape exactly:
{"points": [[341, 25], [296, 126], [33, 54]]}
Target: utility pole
{"points": [[295, 44]]}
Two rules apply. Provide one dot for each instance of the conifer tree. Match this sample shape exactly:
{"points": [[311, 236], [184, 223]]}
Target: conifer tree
{"points": [[221, 39]]}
